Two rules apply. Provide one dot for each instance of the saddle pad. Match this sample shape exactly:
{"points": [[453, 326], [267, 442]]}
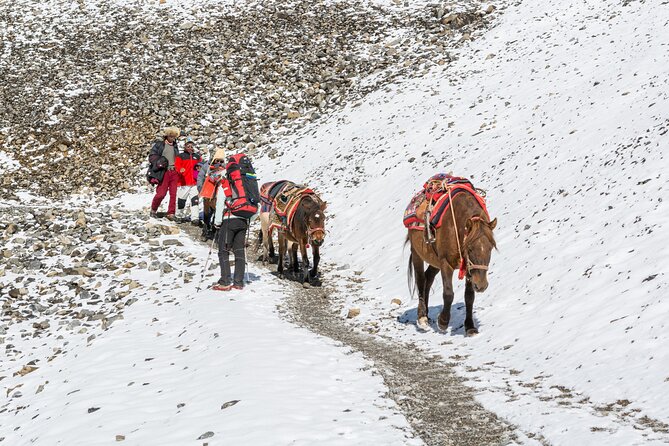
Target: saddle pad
{"points": [[268, 192], [435, 196], [289, 197]]}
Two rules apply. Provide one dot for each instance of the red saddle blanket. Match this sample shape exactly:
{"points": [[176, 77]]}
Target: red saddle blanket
{"points": [[435, 197], [284, 197]]}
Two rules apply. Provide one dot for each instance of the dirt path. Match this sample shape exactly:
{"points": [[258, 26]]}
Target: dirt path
{"points": [[439, 406], [437, 403]]}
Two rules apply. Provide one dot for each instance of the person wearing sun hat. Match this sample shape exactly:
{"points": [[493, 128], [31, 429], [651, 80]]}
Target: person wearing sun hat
{"points": [[166, 147]]}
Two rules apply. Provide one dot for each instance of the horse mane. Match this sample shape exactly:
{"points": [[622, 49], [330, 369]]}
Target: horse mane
{"points": [[307, 204], [480, 227]]}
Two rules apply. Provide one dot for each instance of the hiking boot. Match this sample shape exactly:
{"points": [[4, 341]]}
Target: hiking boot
{"points": [[170, 217], [153, 214], [184, 220], [219, 287]]}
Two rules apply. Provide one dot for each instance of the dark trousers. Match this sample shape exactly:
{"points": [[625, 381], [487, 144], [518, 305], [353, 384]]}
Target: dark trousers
{"points": [[231, 238], [169, 183]]}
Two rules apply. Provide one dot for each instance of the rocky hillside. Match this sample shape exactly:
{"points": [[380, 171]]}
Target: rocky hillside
{"points": [[87, 85]]}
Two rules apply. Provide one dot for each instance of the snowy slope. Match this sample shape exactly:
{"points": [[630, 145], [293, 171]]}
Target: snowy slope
{"points": [[560, 112], [182, 367]]}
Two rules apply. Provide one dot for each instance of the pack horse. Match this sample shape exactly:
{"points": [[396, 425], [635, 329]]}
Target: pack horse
{"points": [[449, 229], [297, 213]]}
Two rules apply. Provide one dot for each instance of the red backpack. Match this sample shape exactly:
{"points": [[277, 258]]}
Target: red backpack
{"points": [[243, 186]]}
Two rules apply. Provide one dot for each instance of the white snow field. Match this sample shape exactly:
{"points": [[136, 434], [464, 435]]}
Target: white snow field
{"points": [[561, 113], [211, 367]]}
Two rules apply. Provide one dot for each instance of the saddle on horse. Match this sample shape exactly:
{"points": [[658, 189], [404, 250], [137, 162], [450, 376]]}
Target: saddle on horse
{"points": [[428, 206], [281, 199]]}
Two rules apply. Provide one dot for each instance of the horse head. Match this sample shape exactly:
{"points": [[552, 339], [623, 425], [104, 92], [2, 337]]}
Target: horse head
{"points": [[315, 219], [477, 249]]}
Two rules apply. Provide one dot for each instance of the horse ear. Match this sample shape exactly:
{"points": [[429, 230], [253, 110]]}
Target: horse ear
{"points": [[324, 205], [493, 224]]}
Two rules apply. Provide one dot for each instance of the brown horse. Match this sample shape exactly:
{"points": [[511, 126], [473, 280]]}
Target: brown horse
{"points": [[465, 236], [306, 227]]}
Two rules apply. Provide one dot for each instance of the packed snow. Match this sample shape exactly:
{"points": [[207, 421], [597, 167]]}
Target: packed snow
{"points": [[183, 363], [560, 112]]}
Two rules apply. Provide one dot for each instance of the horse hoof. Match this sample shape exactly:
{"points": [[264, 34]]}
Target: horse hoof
{"points": [[471, 332], [442, 327], [422, 324]]}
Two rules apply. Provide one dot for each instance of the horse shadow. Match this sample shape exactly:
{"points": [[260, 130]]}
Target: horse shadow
{"points": [[290, 275], [457, 322]]}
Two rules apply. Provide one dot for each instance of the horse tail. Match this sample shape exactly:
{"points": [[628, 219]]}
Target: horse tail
{"points": [[411, 283]]}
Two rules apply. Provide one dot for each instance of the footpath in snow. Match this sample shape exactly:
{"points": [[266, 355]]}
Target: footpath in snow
{"points": [[181, 367], [561, 113]]}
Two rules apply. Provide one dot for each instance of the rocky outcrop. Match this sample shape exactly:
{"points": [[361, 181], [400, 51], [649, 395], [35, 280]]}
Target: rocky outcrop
{"points": [[87, 85]]}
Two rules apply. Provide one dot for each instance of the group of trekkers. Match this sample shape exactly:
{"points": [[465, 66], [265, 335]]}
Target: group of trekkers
{"points": [[221, 196], [448, 224]]}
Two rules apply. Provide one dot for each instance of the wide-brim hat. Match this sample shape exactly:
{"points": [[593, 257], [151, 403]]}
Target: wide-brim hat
{"points": [[219, 155], [171, 131]]}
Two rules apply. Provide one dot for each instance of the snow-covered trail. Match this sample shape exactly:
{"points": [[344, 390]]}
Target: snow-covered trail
{"points": [[215, 366], [560, 113]]}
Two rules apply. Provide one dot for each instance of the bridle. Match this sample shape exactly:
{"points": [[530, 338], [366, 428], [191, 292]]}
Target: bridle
{"points": [[312, 231], [471, 265], [319, 229]]}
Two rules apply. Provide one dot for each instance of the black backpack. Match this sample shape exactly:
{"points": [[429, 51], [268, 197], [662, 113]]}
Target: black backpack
{"points": [[156, 171]]}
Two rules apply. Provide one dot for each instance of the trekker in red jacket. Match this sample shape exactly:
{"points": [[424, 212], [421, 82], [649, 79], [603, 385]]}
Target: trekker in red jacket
{"points": [[187, 193], [167, 148], [231, 239]]}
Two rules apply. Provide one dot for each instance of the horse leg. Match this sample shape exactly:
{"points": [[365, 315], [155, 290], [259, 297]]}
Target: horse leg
{"points": [[419, 274], [294, 263], [447, 282], [470, 328], [305, 262], [270, 246], [315, 253], [430, 273], [282, 252], [262, 238]]}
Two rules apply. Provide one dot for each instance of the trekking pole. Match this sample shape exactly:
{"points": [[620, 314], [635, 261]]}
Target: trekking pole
{"points": [[246, 259], [206, 263]]}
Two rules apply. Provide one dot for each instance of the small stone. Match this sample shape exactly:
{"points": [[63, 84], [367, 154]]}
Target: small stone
{"points": [[166, 268], [353, 312], [229, 404], [120, 437], [25, 370], [206, 435], [93, 409], [396, 301]]}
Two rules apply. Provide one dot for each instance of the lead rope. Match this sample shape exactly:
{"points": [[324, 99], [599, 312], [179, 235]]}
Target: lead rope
{"points": [[461, 273]]}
